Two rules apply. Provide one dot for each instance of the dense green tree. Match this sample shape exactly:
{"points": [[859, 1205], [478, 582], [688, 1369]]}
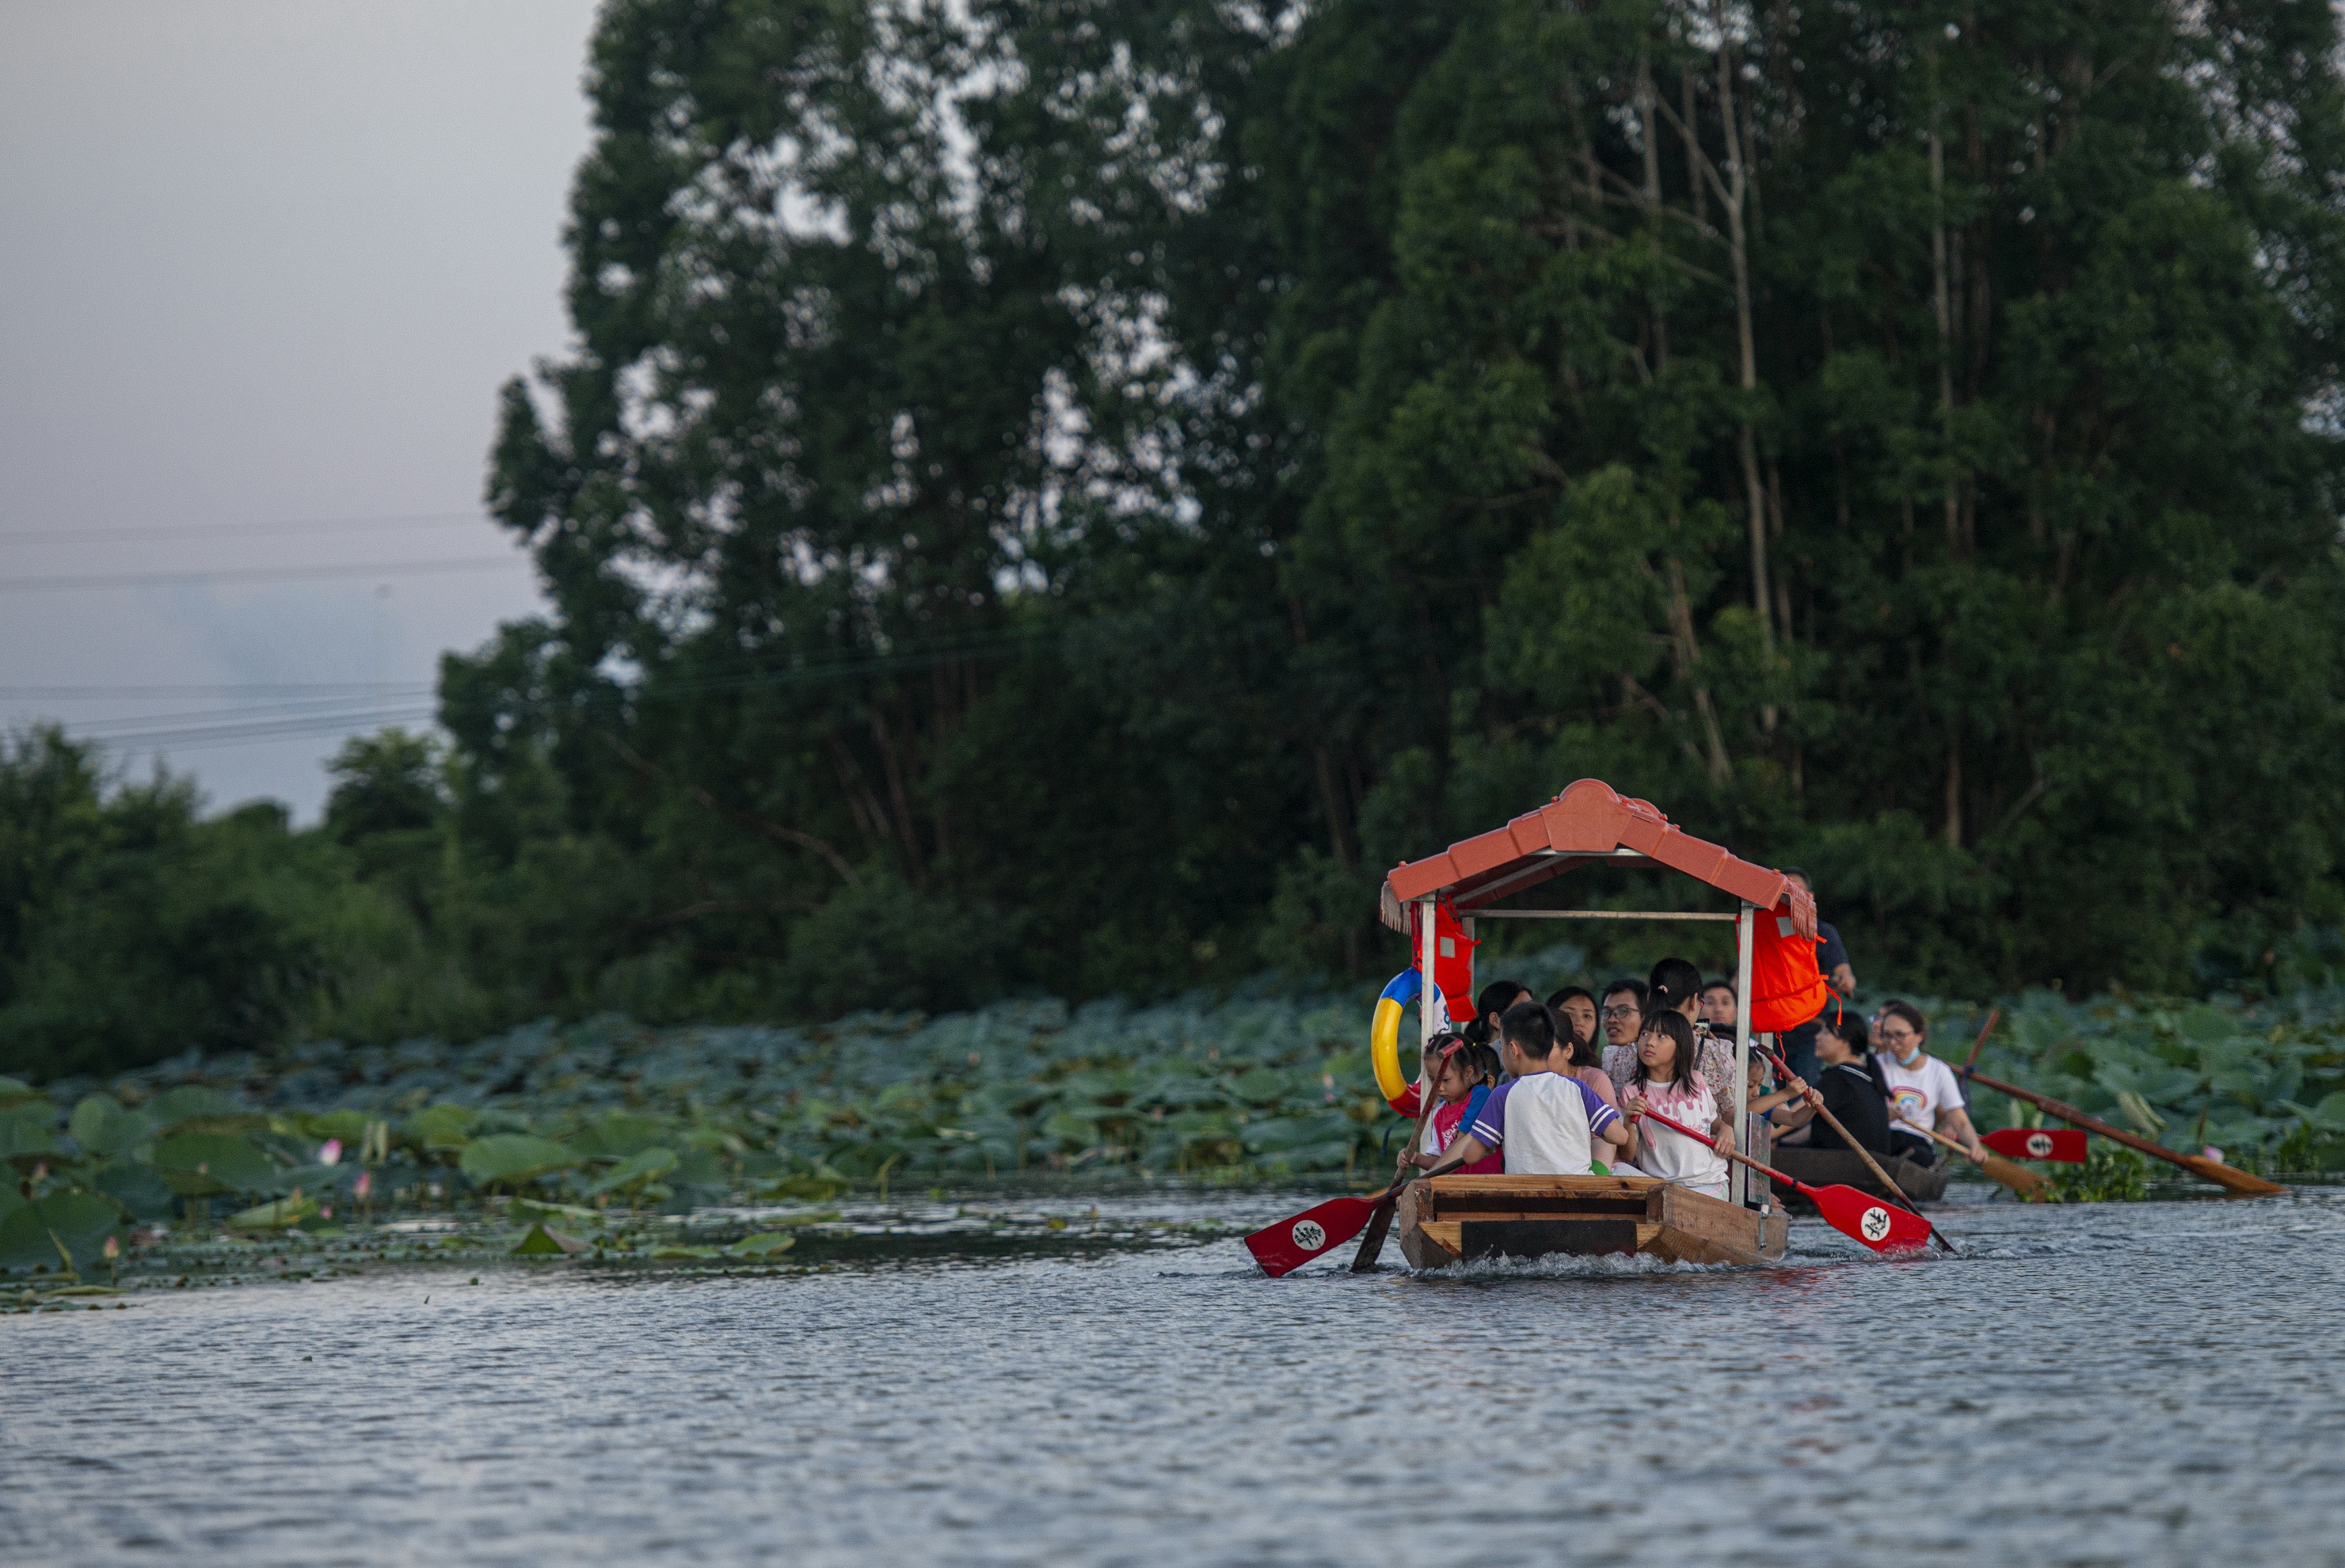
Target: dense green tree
{"points": [[1062, 494]]}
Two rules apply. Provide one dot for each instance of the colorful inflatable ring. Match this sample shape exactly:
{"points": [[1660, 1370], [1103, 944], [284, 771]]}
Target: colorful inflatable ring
{"points": [[1384, 1040]]}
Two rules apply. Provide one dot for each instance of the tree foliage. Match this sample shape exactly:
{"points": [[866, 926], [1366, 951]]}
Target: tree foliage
{"points": [[1062, 495]]}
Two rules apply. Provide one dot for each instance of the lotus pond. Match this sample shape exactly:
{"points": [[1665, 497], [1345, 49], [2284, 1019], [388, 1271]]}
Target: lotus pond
{"points": [[604, 1138]]}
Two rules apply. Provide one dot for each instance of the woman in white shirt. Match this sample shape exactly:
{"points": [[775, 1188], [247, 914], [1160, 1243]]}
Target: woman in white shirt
{"points": [[1922, 1089]]}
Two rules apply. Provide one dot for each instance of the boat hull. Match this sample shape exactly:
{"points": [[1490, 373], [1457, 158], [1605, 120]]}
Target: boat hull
{"points": [[1468, 1218]]}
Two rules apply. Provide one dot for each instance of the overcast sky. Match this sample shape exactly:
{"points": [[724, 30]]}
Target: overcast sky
{"points": [[263, 264]]}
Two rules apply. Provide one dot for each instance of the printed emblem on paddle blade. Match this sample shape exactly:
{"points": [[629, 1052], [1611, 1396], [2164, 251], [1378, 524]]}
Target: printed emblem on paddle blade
{"points": [[2039, 1144], [1308, 1235], [1875, 1224]]}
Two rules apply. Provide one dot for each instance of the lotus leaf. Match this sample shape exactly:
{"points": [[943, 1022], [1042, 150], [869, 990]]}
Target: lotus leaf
{"points": [[281, 1214], [1260, 1086], [681, 1252], [101, 1125], [516, 1156], [198, 1164], [615, 1136], [1184, 1090], [15, 1091], [2204, 1024], [647, 1165], [1293, 1132], [540, 1242], [140, 1188], [61, 1227], [27, 1132], [2328, 1116], [700, 1177], [536, 1211], [765, 1244], [191, 1102], [348, 1127], [823, 1183], [438, 1127], [1068, 1127], [1332, 1154]]}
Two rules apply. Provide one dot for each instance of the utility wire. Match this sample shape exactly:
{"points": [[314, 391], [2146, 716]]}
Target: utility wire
{"points": [[282, 688], [398, 523], [257, 574], [289, 720]]}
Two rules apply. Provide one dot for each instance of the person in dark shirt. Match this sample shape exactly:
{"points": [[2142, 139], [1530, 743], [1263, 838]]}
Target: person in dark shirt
{"points": [[1845, 1087]]}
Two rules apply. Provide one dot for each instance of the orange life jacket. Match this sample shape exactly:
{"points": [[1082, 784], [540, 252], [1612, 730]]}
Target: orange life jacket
{"points": [[1786, 987]]}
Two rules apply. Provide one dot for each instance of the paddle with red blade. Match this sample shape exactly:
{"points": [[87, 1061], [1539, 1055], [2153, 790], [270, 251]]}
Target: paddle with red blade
{"points": [[2064, 1144], [1284, 1248], [1849, 1141], [1880, 1226]]}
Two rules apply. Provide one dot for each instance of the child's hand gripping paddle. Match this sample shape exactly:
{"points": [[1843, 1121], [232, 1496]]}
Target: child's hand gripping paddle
{"points": [[1880, 1225], [1284, 1248]]}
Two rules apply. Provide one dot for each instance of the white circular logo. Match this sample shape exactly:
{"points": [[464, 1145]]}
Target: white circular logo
{"points": [[2039, 1144], [1875, 1224], [1308, 1236]]}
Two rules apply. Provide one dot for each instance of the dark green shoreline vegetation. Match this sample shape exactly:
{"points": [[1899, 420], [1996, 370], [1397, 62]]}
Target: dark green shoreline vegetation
{"points": [[1065, 522], [714, 1145]]}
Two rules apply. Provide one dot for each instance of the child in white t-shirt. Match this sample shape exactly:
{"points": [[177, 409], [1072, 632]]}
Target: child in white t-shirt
{"points": [[1667, 1080]]}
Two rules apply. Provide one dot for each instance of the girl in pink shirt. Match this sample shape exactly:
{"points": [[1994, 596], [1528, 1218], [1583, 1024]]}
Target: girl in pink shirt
{"points": [[1463, 1082], [1667, 1080]]}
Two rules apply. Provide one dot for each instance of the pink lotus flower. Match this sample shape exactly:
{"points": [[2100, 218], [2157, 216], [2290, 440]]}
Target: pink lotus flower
{"points": [[113, 1249], [331, 1152], [366, 1183]]}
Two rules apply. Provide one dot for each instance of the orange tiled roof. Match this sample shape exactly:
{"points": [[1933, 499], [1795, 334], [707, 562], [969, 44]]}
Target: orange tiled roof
{"points": [[1589, 819]]}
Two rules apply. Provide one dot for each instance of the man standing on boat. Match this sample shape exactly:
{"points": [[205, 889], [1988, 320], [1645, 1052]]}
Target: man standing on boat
{"points": [[1545, 1121], [1832, 958]]}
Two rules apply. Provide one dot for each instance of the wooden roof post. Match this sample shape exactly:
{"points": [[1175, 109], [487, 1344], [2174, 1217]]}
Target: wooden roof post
{"points": [[1431, 1015], [1743, 940]]}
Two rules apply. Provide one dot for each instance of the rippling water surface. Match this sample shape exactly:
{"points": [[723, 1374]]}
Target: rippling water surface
{"points": [[2122, 1383]]}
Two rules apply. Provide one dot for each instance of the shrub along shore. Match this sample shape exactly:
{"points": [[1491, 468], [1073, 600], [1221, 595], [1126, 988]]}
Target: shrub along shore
{"points": [[582, 1122]]}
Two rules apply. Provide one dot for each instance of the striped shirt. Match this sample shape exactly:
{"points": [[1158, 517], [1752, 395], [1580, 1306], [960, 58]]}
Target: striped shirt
{"points": [[1544, 1125]]}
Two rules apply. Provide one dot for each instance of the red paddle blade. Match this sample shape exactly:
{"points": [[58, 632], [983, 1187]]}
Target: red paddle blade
{"points": [[2065, 1144], [1879, 1224], [1284, 1248]]}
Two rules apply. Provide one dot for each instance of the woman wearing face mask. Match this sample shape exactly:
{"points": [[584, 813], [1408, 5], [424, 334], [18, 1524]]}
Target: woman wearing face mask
{"points": [[1922, 1089]]}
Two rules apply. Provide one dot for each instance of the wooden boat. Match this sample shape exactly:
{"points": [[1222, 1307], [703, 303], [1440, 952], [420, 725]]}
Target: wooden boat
{"points": [[1452, 1218], [1828, 1167]]}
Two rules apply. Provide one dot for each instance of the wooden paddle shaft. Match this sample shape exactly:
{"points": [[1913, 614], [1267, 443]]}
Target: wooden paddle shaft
{"points": [[2221, 1175], [1735, 1154], [2018, 1178], [1371, 1245], [1865, 1154]]}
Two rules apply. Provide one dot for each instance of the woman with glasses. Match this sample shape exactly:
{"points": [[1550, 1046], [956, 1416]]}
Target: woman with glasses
{"points": [[1922, 1089]]}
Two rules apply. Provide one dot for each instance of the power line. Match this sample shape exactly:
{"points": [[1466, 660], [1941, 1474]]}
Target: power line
{"points": [[257, 574], [301, 717], [282, 688], [399, 522]]}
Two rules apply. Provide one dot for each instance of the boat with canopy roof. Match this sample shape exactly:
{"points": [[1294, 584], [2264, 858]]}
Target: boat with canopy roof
{"points": [[1439, 902]]}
